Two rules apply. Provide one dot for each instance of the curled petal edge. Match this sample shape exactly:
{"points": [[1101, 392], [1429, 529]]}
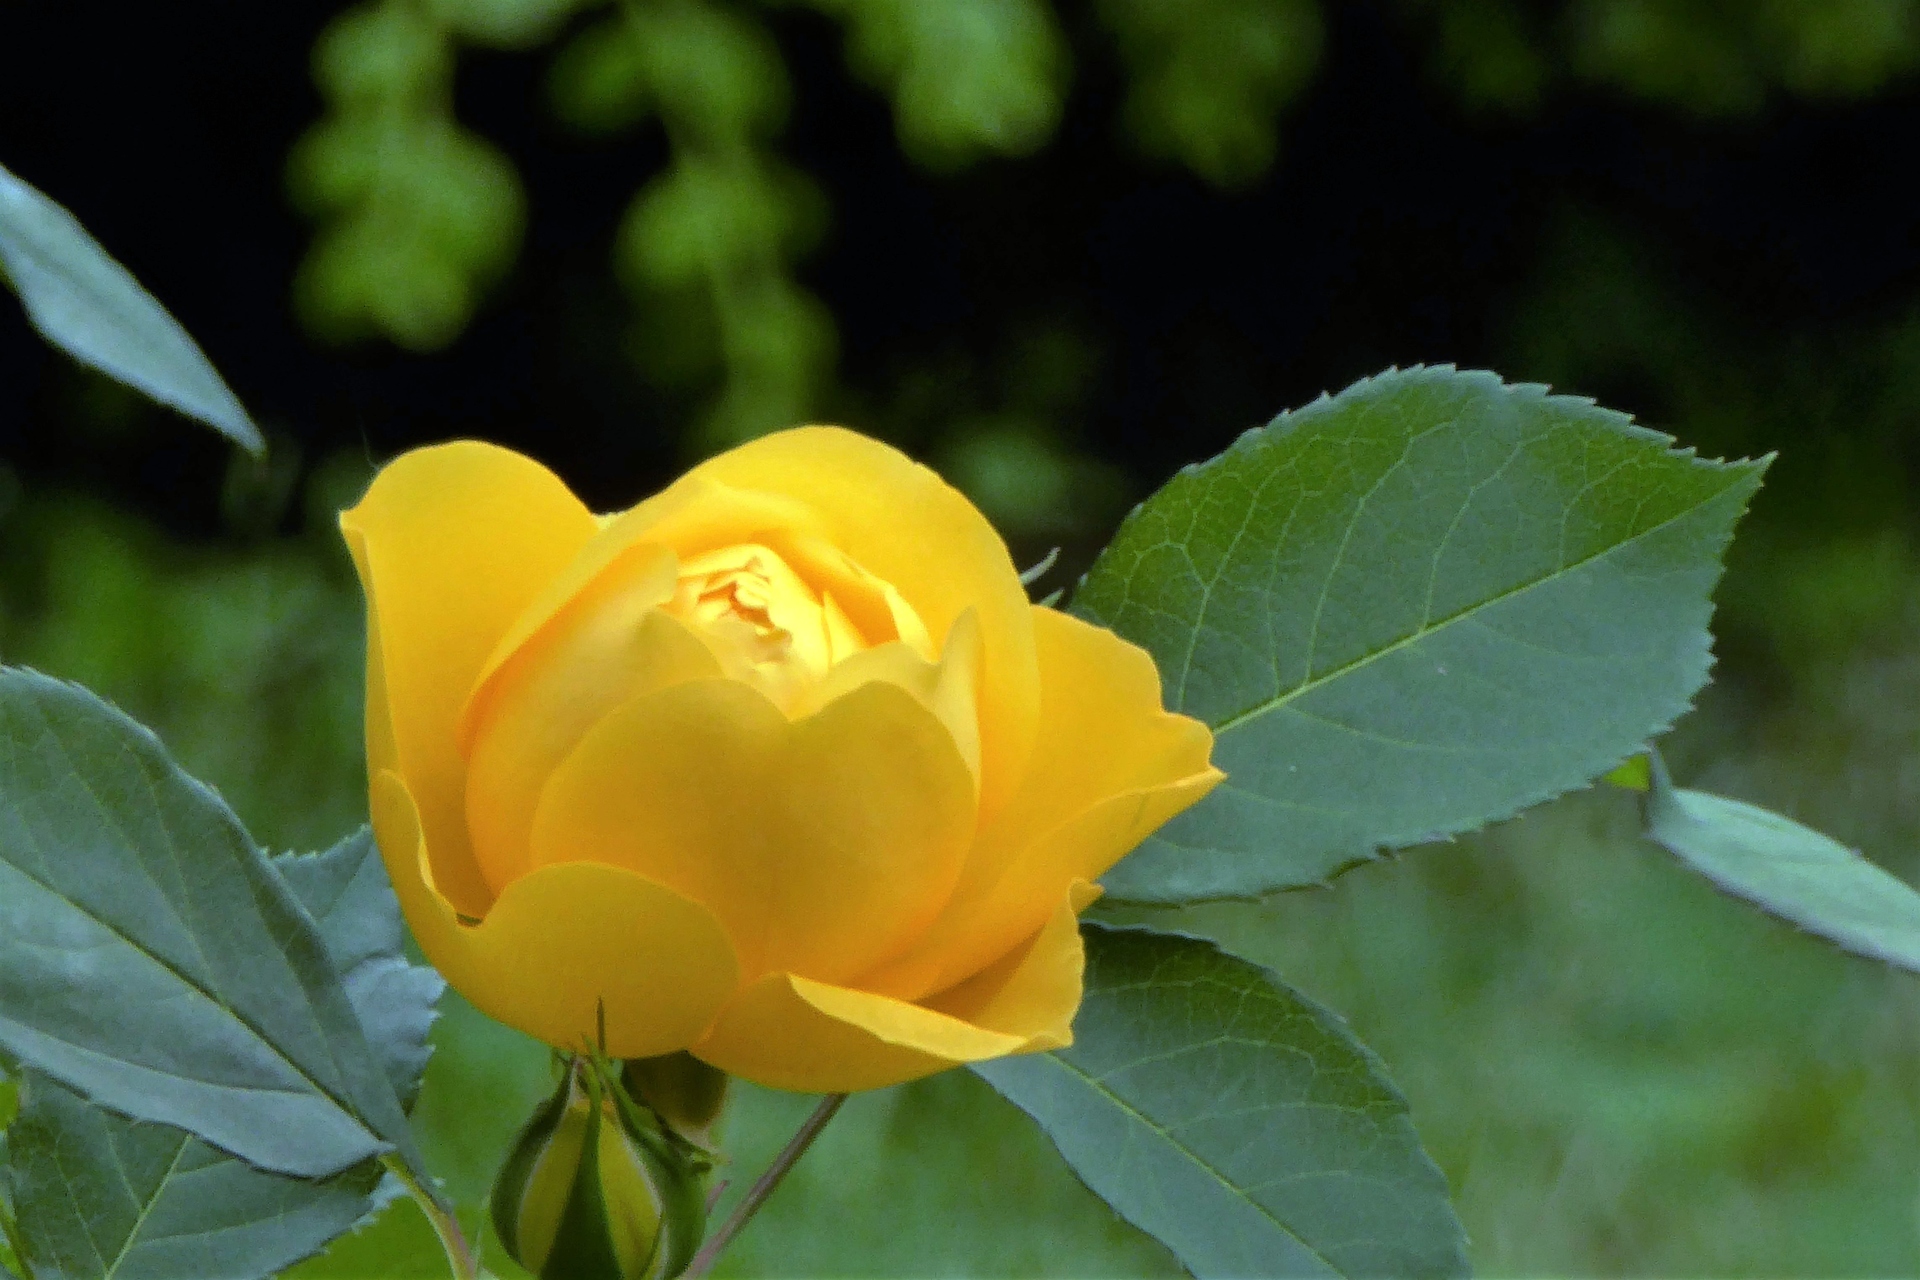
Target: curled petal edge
{"points": [[788, 1032]]}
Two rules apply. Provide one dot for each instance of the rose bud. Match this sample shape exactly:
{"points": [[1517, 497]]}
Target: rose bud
{"points": [[594, 1189]]}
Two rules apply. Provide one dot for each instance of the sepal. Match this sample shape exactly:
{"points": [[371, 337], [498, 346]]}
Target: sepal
{"points": [[596, 1186]]}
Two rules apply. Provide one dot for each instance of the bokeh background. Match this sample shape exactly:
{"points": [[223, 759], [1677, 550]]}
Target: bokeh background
{"points": [[1058, 248]]}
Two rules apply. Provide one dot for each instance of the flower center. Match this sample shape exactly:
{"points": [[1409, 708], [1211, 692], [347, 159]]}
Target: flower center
{"points": [[764, 622]]}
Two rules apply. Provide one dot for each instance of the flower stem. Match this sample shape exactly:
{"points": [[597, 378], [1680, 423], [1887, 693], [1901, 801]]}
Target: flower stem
{"points": [[460, 1257], [757, 1194]]}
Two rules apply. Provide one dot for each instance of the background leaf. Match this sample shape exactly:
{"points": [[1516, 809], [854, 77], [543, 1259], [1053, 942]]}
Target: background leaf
{"points": [[151, 958], [1408, 610], [103, 1195], [1238, 1122], [1788, 870], [89, 306]]}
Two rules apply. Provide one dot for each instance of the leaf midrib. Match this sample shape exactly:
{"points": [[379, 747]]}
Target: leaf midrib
{"points": [[216, 998], [159, 1189], [211, 998], [1312, 683]]}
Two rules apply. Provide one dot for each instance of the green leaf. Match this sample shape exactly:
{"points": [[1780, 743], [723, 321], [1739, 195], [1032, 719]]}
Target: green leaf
{"points": [[346, 891], [151, 958], [102, 1195], [1788, 870], [1235, 1120], [1409, 610], [89, 306]]}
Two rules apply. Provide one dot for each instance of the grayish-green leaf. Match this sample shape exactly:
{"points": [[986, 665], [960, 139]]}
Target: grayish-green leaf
{"points": [[103, 1195], [151, 958], [1408, 610], [347, 892], [1788, 870], [1235, 1120], [89, 306]]}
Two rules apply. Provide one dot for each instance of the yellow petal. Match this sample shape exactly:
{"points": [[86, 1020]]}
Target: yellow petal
{"points": [[1110, 767], [690, 517], [824, 845], [902, 523], [1034, 990], [874, 606], [565, 943], [451, 542], [787, 1032], [541, 704], [947, 687]]}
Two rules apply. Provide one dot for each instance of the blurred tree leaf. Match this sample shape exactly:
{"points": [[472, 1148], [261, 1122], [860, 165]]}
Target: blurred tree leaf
{"points": [[1787, 870], [504, 24], [416, 214], [1235, 1120], [968, 77], [1208, 78], [1487, 50], [89, 306], [1409, 610], [1706, 57], [152, 959], [715, 71], [705, 247], [598, 82], [103, 1195]]}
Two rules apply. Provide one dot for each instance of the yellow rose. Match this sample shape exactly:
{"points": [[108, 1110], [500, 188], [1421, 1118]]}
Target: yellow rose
{"points": [[780, 766]]}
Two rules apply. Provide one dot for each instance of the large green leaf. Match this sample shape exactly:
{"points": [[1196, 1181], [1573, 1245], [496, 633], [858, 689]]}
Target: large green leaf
{"points": [[101, 1195], [1788, 870], [1408, 610], [89, 306], [153, 960], [1240, 1123]]}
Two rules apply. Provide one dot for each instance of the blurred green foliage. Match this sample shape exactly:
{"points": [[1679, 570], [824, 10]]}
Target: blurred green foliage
{"points": [[968, 78], [1208, 78], [1706, 57], [417, 215]]}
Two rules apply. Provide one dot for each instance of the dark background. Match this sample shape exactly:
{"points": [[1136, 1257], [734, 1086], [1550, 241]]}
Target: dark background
{"points": [[1399, 227]]}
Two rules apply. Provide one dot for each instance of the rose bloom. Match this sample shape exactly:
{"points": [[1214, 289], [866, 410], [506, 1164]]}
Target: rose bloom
{"points": [[780, 766]]}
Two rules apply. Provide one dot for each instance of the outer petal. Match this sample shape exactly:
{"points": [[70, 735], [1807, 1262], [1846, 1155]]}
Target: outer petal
{"points": [[901, 522], [562, 681], [786, 1032], [1034, 990], [566, 943], [451, 543], [948, 687], [1110, 767], [824, 844]]}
